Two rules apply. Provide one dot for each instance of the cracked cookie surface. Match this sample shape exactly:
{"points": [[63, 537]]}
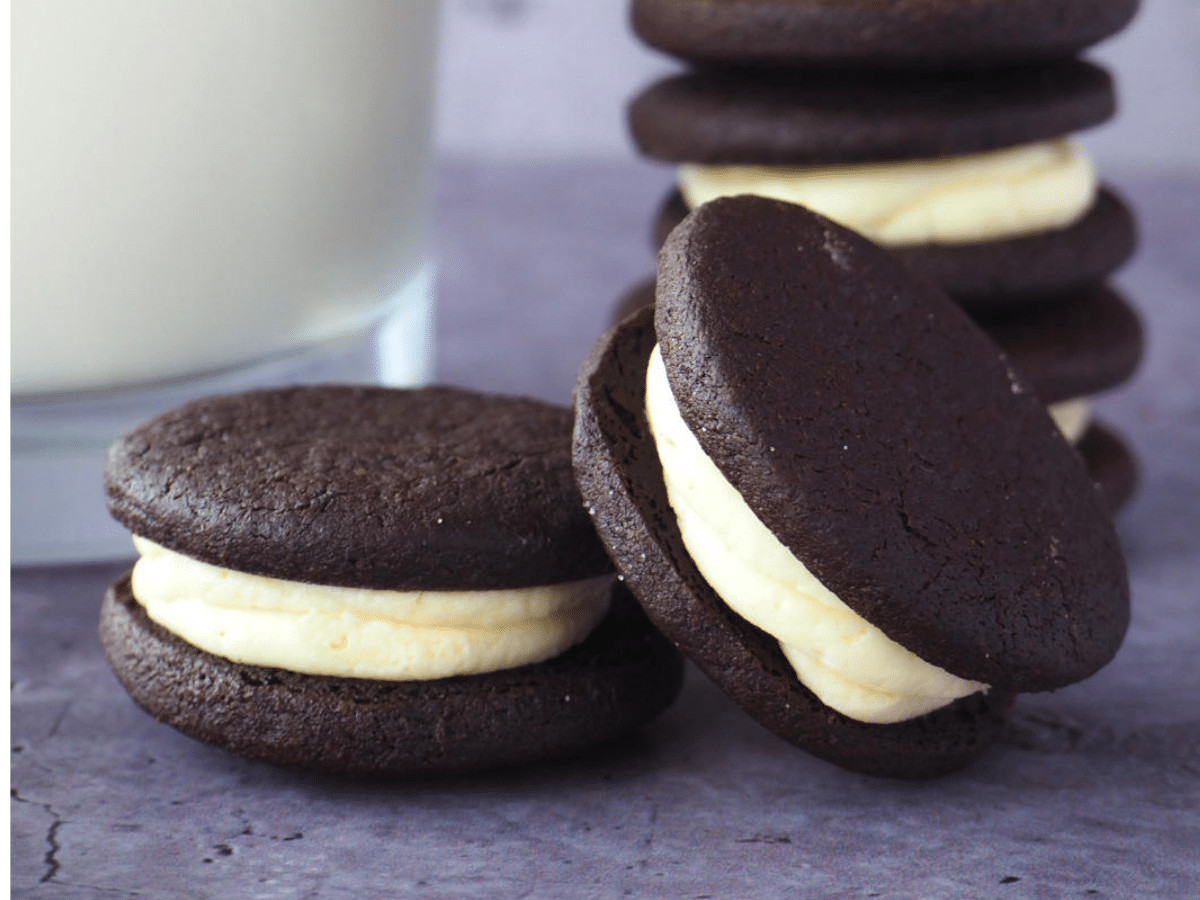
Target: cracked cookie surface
{"points": [[370, 487]]}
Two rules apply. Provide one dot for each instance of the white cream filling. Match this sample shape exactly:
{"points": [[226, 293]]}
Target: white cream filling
{"points": [[362, 633], [1072, 418], [848, 663], [980, 197]]}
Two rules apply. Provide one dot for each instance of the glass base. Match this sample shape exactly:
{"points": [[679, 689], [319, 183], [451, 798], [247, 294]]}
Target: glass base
{"points": [[59, 513]]}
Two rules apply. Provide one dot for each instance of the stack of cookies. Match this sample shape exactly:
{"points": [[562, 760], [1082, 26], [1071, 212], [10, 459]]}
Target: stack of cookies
{"points": [[941, 131], [802, 465]]}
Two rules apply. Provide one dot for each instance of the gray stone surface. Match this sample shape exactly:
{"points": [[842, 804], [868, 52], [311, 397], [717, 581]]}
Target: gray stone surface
{"points": [[1093, 792]]}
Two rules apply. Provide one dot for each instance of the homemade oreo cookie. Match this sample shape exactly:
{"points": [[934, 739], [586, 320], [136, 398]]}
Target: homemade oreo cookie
{"points": [[374, 582], [970, 179], [836, 496]]}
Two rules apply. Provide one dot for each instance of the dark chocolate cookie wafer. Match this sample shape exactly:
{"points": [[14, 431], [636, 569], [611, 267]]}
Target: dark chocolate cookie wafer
{"points": [[882, 439], [361, 487], [804, 118], [988, 276], [622, 676], [1008, 272], [922, 33]]}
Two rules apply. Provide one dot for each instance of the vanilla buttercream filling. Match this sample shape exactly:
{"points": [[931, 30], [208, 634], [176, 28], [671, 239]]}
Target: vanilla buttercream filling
{"points": [[849, 664], [979, 197], [1072, 418], [362, 633]]}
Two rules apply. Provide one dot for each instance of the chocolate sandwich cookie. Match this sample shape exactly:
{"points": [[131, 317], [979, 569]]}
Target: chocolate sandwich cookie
{"points": [[969, 179], [823, 118], [838, 498], [921, 33], [373, 582]]}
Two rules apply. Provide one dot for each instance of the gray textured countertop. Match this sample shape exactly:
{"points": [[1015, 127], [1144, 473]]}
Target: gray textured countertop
{"points": [[1094, 790]]}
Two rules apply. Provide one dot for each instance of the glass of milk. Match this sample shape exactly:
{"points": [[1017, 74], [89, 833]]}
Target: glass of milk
{"points": [[207, 196]]}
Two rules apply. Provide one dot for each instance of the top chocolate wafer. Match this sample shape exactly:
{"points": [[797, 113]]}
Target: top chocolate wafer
{"points": [[897, 33]]}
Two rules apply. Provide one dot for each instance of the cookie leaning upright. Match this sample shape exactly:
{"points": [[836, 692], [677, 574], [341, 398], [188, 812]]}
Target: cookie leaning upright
{"points": [[846, 439], [373, 581]]}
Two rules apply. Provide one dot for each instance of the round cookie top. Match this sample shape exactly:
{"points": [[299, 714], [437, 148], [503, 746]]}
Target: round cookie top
{"points": [[888, 443], [873, 33], [439, 488], [819, 118]]}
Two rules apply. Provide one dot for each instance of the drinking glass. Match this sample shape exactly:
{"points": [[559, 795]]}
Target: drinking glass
{"points": [[207, 196]]}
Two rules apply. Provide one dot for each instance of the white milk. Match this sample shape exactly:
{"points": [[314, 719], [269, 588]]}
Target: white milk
{"points": [[207, 196], [199, 184]]}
